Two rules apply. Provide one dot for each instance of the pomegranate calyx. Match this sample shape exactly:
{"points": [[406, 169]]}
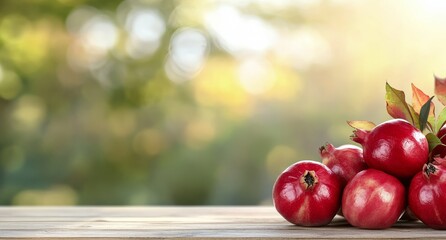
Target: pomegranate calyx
{"points": [[359, 136], [326, 152], [309, 179], [429, 170]]}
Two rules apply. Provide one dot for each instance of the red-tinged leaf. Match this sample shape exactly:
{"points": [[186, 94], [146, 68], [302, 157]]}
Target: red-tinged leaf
{"points": [[397, 106], [363, 125], [440, 89], [419, 98]]}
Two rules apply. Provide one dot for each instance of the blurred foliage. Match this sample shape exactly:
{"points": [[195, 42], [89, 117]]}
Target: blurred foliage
{"points": [[193, 102]]}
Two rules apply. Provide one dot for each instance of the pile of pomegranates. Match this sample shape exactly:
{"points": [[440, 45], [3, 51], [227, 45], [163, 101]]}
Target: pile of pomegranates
{"points": [[399, 168]]}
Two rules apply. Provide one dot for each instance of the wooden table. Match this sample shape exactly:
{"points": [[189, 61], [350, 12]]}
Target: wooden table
{"points": [[181, 222]]}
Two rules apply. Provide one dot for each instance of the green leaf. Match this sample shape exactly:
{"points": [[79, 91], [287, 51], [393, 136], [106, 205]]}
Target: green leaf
{"points": [[433, 141], [397, 106], [440, 89], [363, 125], [424, 113], [440, 120], [414, 116], [431, 122]]}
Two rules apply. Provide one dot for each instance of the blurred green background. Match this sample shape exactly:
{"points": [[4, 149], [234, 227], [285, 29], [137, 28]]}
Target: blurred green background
{"points": [[194, 102]]}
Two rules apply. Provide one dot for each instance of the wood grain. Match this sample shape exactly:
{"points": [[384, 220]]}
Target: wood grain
{"points": [[182, 222]]}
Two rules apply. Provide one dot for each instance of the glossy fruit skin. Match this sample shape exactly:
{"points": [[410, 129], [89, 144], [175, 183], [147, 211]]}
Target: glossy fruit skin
{"points": [[373, 200], [440, 150], [427, 196], [441, 133], [346, 160], [395, 147], [306, 204]]}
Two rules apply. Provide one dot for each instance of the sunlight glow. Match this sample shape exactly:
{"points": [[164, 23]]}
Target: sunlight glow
{"points": [[239, 33], [188, 51], [256, 75], [94, 37], [303, 48], [99, 34], [145, 28]]}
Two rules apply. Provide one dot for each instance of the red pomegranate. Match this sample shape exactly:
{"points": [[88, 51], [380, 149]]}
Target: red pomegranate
{"points": [[373, 200], [441, 133], [427, 196], [307, 193], [440, 150], [346, 160], [395, 147]]}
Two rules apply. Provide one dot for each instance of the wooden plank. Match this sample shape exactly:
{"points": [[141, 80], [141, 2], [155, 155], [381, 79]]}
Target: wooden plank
{"points": [[182, 222]]}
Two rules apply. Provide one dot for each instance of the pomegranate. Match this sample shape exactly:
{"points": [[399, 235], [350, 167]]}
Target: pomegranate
{"points": [[395, 147], [440, 150], [427, 195], [373, 200], [307, 193], [441, 133], [346, 160]]}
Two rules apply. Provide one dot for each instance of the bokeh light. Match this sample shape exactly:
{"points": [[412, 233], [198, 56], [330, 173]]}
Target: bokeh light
{"points": [[256, 75], [29, 113], [239, 33], [95, 34], [303, 48], [145, 27], [188, 51], [10, 84]]}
